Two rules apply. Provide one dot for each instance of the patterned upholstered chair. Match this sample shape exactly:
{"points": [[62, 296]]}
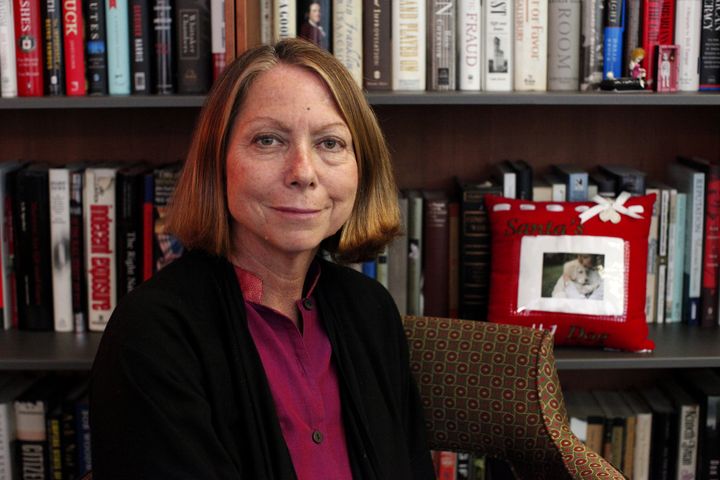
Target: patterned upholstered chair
{"points": [[493, 389]]}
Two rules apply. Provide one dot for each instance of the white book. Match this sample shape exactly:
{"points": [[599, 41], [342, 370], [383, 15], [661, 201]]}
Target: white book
{"points": [[672, 252], [100, 221], [415, 249], [564, 45], [266, 22], [651, 283], [469, 44], [498, 35], [217, 27], [442, 25], [284, 19], [530, 55], [8, 71], [59, 185], [409, 44], [6, 268], [643, 435], [8, 392], [347, 36], [687, 37]]}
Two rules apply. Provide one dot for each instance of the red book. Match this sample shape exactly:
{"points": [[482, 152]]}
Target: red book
{"points": [[436, 253], [73, 34], [658, 28], [28, 48], [447, 465]]}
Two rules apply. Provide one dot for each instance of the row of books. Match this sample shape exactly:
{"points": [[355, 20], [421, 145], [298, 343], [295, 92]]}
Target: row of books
{"points": [[664, 432], [459, 466], [117, 47], [44, 427], [75, 239], [506, 45], [441, 264]]}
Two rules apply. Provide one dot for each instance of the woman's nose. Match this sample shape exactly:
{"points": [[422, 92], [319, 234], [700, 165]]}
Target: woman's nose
{"points": [[300, 167]]}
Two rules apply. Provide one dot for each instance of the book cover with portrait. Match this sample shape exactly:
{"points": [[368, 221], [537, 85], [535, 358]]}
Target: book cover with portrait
{"points": [[314, 22]]}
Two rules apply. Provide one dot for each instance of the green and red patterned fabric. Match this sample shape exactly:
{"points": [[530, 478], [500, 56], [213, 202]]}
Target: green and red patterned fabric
{"points": [[493, 389]]}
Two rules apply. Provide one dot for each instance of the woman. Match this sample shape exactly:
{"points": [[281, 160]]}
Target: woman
{"points": [[251, 357]]}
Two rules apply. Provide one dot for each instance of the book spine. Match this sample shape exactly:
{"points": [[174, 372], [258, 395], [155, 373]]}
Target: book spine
{"points": [[31, 444], [59, 181], [689, 432], [284, 19], [369, 268], [84, 458], [408, 46], [347, 36], [671, 253], [415, 249], [436, 237], [564, 45], [10, 298], [633, 14], [54, 447], [694, 250], [651, 265], [7, 438], [381, 268], [454, 260], [99, 207], [658, 29], [711, 249], [679, 258], [613, 37], [129, 203], [192, 44], [530, 56], [377, 45], [498, 28], [74, 48], [52, 47], [69, 442], [662, 256], [687, 38], [148, 234], [266, 22], [163, 42], [8, 71], [709, 46], [5, 265], [28, 47], [592, 45], [447, 465], [166, 247], [398, 261], [77, 255], [217, 36], [96, 47], [641, 457], [140, 47], [118, 43], [442, 25], [469, 44]]}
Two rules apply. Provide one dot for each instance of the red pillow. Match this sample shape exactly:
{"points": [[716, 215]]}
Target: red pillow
{"points": [[576, 268]]}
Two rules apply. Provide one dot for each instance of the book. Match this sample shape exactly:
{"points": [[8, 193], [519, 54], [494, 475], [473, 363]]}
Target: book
{"points": [[217, 37], [284, 19], [32, 263], [96, 47], [398, 261], [77, 250], [118, 45], [347, 37], [704, 386], [10, 389], [11, 266], [605, 184], [7, 297], [140, 47], [676, 259], [442, 25], [687, 38], [474, 249], [530, 54], [315, 22], [709, 51], [558, 187], [663, 450], [523, 179], [8, 71], [454, 258], [575, 179], [469, 44], [667, 199], [73, 26], [613, 39], [542, 190], [619, 429], [504, 174], [377, 45], [564, 18], [99, 205], [587, 419], [632, 40], [415, 252], [28, 47], [651, 283], [591, 71], [381, 268], [130, 195], [499, 40], [266, 22], [643, 434], [447, 465], [192, 46], [59, 185], [82, 428], [435, 253], [658, 28], [164, 75], [166, 247], [52, 47], [409, 45], [688, 428], [69, 429], [627, 179]]}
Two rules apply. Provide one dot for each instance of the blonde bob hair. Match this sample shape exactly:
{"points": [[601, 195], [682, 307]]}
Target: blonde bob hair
{"points": [[198, 213]]}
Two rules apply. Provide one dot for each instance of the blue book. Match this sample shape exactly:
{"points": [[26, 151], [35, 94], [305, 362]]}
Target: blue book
{"points": [[613, 39], [369, 268], [677, 232], [118, 46]]}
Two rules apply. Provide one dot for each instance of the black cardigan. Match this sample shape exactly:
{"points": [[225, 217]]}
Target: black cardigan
{"points": [[178, 390]]}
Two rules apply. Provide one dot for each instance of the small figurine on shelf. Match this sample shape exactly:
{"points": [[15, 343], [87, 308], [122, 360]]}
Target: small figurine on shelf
{"points": [[667, 69], [636, 80]]}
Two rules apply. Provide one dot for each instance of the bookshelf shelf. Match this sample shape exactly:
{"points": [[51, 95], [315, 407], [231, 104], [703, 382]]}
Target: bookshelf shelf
{"points": [[129, 101], [678, 347]]}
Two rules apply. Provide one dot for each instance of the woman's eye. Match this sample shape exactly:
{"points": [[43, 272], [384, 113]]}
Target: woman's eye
{"points": [[331, 144], [265, 141]]}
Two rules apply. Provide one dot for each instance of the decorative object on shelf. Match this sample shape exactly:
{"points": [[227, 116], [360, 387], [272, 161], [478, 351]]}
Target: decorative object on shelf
{"points": [[667, 69], [636, 80], [575, 268]]}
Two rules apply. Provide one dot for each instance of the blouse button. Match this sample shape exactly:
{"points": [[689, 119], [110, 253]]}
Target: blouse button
{"points": [[317, 437], [308, 304]]}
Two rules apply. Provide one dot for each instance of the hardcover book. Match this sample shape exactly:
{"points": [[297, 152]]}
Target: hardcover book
{"points": [[28, 47], [8, 71], [704, 386], [377, 45], [592, 44], [164, 51], [627, 179], [52, 47], [415, 252], [498, 34], [709, 46], [130, 195], [77, 251], [59, 183], [469, 44], [398, 261], [632, 40], [347, 37], [118, 45], [688, 14], [315, 22], [688, 429], [436, 252], [73, 26], [643, 435], [217, 36], [9, 390], [530, 55], [284, 19], [677, 259], [658, 29], [613, 39], [575, 179], [140, 47], [96, 47], [7, 294], [166, 247], [409, 51], [564, 45], [663, 453], [194, 56], [443, 25]]}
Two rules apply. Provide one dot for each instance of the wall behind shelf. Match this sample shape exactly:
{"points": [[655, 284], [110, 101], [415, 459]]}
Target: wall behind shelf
{"points": [[430, 144]]}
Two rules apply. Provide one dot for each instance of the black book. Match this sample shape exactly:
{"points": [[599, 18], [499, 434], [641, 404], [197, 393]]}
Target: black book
{"points": [[140, 47], [627, 179], [162, 19], [709, 51], [95, 47], [32, 242], [192, 44], [523, 179], [704, 386], [605, 184], [664, 436], [53, 47], [129, 190], [77, 251], [377, 42], [69, 430]]}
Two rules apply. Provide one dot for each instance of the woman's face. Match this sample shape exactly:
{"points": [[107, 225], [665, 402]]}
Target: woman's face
{"points": [[291, 170]]}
